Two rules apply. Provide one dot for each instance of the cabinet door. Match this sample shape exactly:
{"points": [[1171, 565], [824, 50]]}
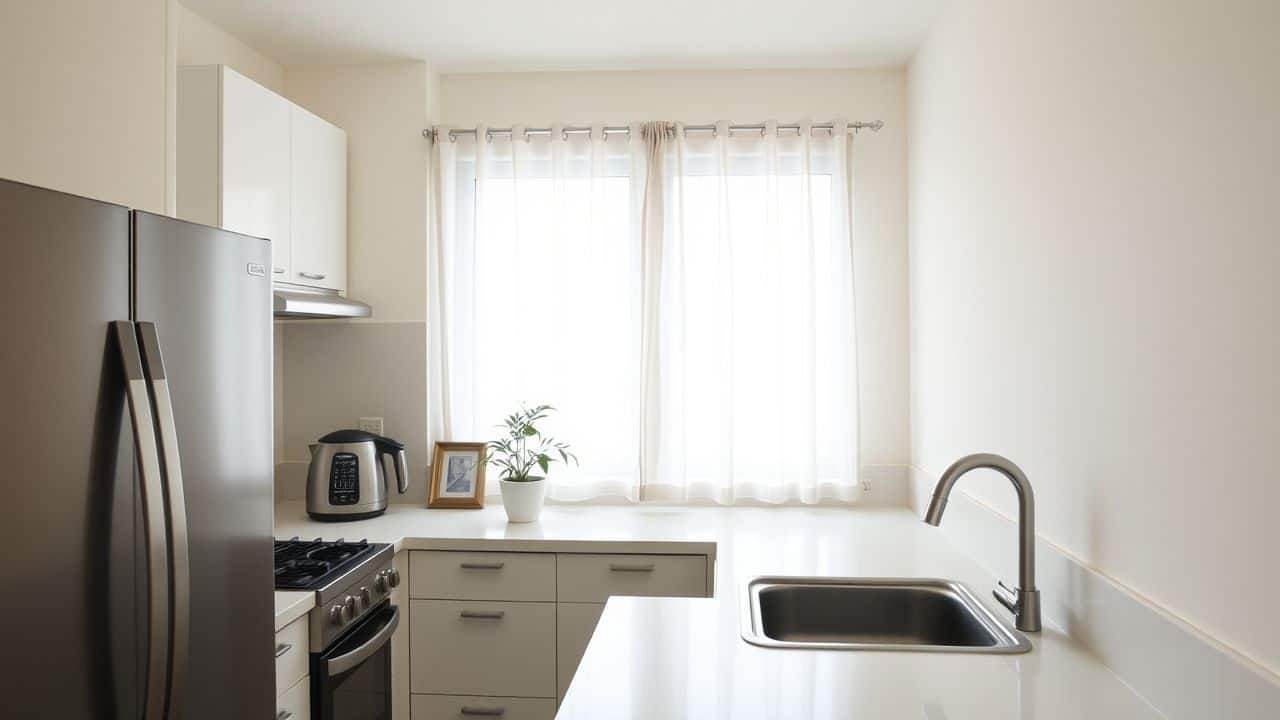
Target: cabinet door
{"points": [[575, 623], [256, 165], [319, 203]]}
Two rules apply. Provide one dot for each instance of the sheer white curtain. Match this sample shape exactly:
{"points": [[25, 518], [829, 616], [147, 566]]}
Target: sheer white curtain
{"points": [[756, 367], [535, 297], [684, 299]]}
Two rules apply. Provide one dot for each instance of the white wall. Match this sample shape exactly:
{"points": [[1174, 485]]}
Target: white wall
{"points": [[200, 42], [85, 106], [749, 96], [1094, 260]]}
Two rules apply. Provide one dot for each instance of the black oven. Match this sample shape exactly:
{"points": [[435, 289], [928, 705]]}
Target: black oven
{"points": [[351, 678]]}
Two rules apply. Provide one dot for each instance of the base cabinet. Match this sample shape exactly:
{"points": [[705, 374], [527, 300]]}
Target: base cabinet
{"points": [[501, 634], [295, 703], [472, 707]]}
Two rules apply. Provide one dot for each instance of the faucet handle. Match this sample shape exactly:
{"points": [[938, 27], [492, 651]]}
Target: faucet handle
{"points": [[1006, 596]]}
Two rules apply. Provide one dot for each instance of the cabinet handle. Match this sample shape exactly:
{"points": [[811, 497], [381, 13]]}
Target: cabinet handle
{"points": [[631, 567], [312, 276], [284, 715], [283, 648], [489, 711], [483, 614], [481, 565], [277, 270]]}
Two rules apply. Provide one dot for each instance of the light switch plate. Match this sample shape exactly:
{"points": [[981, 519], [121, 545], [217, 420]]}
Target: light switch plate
{"points": [[371, 425]]}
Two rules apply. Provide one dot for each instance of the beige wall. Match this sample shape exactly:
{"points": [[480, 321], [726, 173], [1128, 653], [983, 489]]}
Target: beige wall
{"points": [[749, 96], [329, 374], [86, 98], [383, 108], [200, 42], [1094, 255]]}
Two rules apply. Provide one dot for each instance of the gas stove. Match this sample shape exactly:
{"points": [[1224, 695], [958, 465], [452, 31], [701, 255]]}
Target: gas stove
{"points": [[351, 580], [312, 564]]}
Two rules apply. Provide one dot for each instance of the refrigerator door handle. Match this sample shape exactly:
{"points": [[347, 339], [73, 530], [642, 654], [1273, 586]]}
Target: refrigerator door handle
{"points": [[148, 459], [176, 514]]}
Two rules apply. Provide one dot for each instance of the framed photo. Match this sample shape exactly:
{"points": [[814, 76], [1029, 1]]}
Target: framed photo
{"points": [[457, 475]]}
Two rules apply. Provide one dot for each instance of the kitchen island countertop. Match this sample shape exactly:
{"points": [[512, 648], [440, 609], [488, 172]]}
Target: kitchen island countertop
{"points": [[660, 658]]}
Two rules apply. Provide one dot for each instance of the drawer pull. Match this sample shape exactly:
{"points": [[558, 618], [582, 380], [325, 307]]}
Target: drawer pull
{"points": [[284, 715], [631, 567], [488, 711], [277, 270], [311, 275], [483, 614], [283, 648], [481, 565]]}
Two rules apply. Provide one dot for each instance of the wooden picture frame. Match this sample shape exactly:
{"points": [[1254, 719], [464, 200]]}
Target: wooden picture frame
{"points": [[455, 481]]}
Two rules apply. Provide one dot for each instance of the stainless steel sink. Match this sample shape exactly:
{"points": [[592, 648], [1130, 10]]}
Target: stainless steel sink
{"points": [[821, 613]]}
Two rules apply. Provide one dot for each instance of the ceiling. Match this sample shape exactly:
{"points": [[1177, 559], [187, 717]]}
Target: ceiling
{"points": [[514, 35]]}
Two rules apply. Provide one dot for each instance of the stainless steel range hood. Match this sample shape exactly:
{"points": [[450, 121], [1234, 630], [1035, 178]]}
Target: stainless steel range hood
{"points": [[300, 303]]}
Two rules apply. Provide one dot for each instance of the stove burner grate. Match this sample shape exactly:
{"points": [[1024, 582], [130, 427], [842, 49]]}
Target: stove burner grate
{"points": [[306, 564]]}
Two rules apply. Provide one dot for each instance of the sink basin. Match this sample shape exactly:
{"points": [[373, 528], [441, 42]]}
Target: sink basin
{"points": [[822, 613]]}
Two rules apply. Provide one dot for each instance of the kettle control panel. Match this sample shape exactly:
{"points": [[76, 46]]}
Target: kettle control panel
{"points": [[344, 479]]}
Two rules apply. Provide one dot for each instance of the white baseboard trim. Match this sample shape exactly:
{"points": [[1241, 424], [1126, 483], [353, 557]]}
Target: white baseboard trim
{"points": [[1174, 666]]}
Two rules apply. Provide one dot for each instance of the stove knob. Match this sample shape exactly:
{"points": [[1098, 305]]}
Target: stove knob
{"points": [[349, 603], [339, 615], [364, 599], [380, 583], [393, 576]]}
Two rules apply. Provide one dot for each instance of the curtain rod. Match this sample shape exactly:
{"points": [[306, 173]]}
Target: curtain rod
{"points": [[432, 133]]}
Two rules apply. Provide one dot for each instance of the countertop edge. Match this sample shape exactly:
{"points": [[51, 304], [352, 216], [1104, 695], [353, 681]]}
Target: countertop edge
{"points": [[291, 605]]}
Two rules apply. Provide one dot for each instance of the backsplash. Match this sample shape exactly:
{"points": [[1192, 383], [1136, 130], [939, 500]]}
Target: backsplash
{"points": [[330, 374]]}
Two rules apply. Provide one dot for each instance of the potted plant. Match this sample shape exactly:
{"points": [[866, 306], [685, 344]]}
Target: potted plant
{"points": [[518, 454]]}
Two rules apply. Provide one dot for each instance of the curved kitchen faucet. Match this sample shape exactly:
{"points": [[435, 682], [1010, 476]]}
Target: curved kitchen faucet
{"points": [[1024, 601]]}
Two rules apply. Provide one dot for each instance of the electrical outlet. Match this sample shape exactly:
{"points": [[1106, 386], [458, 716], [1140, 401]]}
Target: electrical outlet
{"points": [[866, 486], [371, 425]]}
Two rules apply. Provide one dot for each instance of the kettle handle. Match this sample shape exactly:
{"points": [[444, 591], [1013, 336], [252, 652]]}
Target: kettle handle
{"points": [[387, 446], [402, 471]]}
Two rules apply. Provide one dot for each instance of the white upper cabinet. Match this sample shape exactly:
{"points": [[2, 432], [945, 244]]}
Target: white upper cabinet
{"points": [[319, 202], [255, 166], [253, 162]]}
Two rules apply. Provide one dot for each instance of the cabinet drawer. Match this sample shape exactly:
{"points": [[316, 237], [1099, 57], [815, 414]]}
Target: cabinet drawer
{"points": [[593, 578], [575, 623], [450, 575], [472, 707], [295, 703], [465, 647], [291, 654]]}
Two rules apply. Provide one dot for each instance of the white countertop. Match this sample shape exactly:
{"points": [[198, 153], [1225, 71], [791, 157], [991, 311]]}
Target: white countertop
{"points": [[291, 605], [668, 658]]}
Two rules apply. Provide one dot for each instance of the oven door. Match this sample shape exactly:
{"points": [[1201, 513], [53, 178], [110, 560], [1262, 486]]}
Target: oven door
{"points": [[351, 679]]}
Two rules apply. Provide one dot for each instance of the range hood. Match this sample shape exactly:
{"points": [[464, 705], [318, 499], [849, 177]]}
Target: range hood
{"points": [[299, 303]]}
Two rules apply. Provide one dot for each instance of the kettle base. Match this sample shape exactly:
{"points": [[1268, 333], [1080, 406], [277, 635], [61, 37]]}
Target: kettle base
{"points": [[342, 517]]}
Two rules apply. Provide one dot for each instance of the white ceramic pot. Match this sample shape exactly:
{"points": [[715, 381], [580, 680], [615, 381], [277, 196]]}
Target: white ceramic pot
{"points": [[523, 500]]}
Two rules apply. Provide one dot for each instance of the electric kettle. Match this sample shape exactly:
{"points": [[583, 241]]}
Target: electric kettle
{"points": [[347, 479]]}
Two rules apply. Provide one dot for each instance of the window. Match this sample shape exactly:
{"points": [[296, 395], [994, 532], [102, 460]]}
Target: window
{"points": [[746, 388]]}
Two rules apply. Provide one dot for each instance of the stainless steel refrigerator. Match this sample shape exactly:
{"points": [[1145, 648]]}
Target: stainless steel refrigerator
{"points": [[137, 487]]}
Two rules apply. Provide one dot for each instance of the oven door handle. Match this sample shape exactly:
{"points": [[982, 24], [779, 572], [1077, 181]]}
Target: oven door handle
{"points": [[346, 661]]}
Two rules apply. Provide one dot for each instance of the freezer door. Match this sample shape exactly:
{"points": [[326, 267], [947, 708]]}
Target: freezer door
{"points": [[74, 569], [208, 294]]}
